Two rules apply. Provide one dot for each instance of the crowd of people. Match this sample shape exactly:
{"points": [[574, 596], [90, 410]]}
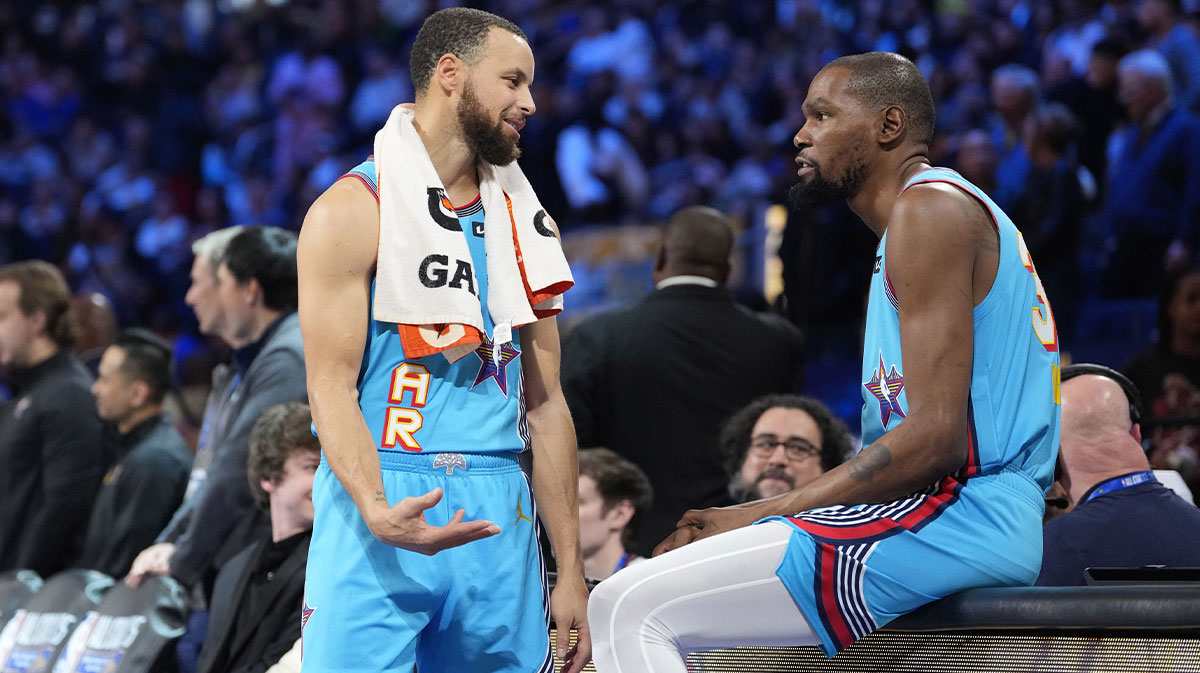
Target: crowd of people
{"points": [[160, 159]]}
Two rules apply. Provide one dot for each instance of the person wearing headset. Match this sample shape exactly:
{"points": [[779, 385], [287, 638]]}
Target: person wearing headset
{"points": [[1119, 514]]}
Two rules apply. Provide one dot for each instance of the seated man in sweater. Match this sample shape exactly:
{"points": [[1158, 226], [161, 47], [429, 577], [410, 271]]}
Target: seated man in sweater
{"points": [[259, 594], [1121, 515]]}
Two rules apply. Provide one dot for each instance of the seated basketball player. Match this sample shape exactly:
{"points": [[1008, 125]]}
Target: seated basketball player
{"points": [[960, 416]]}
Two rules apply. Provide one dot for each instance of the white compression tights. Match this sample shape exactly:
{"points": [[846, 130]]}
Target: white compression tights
{"points": [[716, 593]]}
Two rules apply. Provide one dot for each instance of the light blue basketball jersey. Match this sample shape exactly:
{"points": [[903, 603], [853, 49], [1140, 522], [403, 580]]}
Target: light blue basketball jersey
{"points": [[1013, 411], [428, 405]]}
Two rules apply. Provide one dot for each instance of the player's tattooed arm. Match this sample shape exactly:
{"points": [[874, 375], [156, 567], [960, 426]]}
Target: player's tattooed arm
{"points": [[866, 463]]}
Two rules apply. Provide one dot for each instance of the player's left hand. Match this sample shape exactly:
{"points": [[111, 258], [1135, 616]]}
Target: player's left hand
{"points": [[568, 605], [698, 524]]}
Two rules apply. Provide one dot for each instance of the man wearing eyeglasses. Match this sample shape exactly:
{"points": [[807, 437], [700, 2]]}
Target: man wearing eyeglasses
{"points": [[779, 442]]}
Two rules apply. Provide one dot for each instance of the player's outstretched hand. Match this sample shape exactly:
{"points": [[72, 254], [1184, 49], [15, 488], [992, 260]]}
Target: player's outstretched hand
{"points": [[568, 604], [404, 526], [698, 524]]}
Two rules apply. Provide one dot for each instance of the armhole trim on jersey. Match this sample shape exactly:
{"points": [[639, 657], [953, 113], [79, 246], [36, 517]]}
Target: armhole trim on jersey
{"points": [[964, 190], [366, 183]]}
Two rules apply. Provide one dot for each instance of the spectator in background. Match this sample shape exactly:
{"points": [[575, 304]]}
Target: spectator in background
{"points": [[1168, 375], [384, 86], [653, 381], [614, 496], [244, 291], [1049, 207], [259, 593], [1115, 496], [97, 327], [601, 174], [1152, 209], [976, 160], [1171, 36], [1016, 94], [779, 442], [147, 482], [51, 453], [1092, 98]]}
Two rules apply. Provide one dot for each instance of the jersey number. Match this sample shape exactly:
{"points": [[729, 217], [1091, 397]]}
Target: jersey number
{"points": [[1043, 315]]}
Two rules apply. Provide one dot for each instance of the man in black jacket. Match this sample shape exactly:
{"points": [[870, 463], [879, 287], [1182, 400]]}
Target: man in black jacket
{"points": [[257, 605], [654, 381], [51, 455], [147, 483]]}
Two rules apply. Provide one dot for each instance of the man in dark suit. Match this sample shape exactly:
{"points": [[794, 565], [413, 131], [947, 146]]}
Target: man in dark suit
{"points": [[654, 381], [255, 616]]}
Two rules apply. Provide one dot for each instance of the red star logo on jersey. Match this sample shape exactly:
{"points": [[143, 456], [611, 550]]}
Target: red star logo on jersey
{"points": [[493, 367], [886, 386]]}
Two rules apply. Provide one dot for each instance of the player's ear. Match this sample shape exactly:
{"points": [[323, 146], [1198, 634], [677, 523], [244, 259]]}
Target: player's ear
{"points": [[892, 124]]}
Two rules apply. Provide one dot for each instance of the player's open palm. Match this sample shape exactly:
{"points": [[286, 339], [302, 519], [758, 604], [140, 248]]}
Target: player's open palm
{"points": [[404, 526]]}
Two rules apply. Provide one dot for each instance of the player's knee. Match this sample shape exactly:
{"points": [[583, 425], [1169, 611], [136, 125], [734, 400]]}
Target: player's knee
{"points": [[601, 604]]}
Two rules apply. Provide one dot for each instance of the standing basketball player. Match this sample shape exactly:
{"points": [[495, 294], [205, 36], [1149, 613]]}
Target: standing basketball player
{"points": [[406, 566], [960, 416]]}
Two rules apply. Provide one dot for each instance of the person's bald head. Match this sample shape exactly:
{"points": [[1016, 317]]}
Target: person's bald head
{"points": [[1098, 438], [696, 242], [1093, 407]]}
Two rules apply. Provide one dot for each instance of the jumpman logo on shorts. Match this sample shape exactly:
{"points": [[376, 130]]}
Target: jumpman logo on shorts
{"points": [[520, 514]]}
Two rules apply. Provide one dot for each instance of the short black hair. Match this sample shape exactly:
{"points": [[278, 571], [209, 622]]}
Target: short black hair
{"points": [[147, 359], [268, 255], [734, 440], [456, 30], [880, 78], [618, 479]]}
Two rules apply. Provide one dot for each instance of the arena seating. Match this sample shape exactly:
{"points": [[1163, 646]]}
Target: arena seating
{"points": [[16, 586], [39, 629]]}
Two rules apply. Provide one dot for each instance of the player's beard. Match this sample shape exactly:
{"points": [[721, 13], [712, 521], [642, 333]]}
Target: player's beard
{"points": [[820, 190], [485, 139]]}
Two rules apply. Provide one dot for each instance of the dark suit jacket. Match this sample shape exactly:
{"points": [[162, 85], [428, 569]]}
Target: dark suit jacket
{"points": [[655, 381], [276, 616]]}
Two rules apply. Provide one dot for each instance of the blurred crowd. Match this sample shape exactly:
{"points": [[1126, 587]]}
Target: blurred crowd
{"points": [[133, 128]]}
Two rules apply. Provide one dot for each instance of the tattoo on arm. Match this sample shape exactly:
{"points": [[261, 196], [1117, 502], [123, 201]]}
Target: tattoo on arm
{"points": [[869, 461], [380, 497]]}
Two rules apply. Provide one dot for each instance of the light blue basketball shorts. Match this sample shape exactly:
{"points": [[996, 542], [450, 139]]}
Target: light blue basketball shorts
{"points": [[478, 607], [853, 569]]}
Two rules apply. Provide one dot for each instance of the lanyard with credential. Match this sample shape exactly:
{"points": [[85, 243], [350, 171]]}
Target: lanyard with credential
{"points": [[1114, 485]]}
